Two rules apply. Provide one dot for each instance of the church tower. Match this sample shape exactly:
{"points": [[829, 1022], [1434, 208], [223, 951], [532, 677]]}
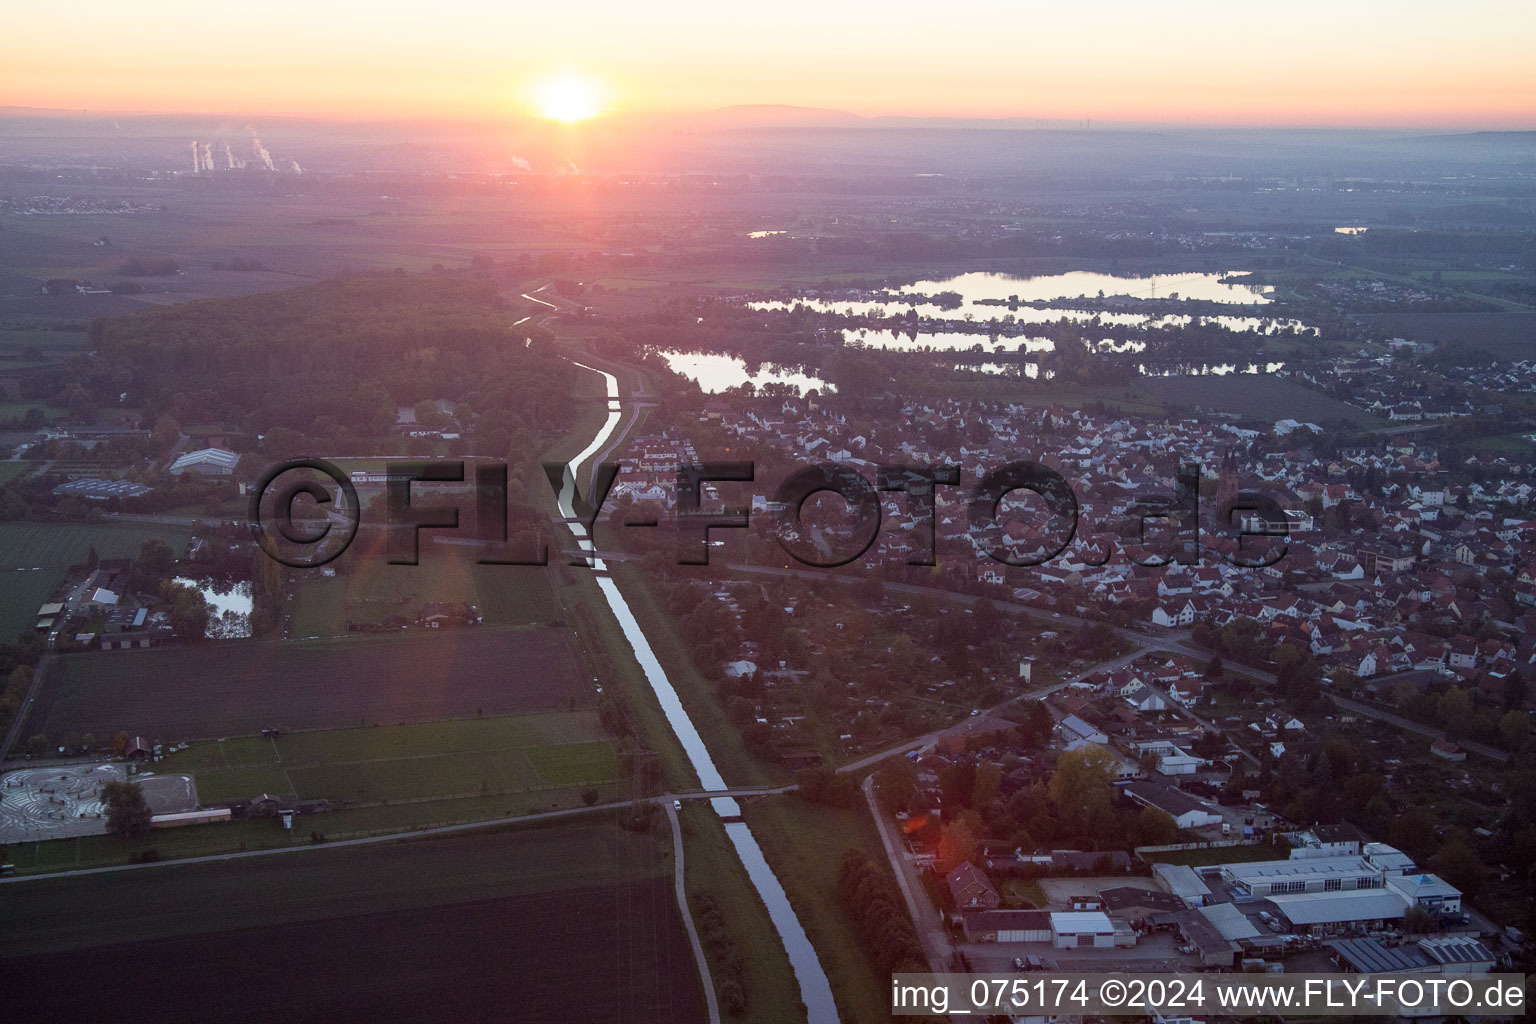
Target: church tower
{"points": [[1226, 482]]}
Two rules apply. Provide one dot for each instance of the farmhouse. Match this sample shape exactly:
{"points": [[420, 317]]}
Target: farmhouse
{"points": [[100, 601], [971, 888], [1185, 810], [1077, 732]]}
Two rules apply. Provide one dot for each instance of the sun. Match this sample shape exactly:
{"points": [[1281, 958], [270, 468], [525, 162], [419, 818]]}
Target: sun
{"points": [[568, 98]]}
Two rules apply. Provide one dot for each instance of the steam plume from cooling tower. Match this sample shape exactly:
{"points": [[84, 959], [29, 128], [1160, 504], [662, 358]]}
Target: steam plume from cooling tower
{"points": [[260, 153], [197, 162]]}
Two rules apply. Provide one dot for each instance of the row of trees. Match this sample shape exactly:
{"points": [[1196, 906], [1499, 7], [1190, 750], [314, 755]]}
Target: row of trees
{"points": [[871, 901], [727, 964]]}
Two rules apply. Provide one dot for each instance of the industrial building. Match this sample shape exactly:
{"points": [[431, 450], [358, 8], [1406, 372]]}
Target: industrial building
{"points": [[1326, 912], [1341, 840], [93, 489], [1431, 892], [1008, 926], [1182, 881], [1185, 810], [1211, 947], [1084, 928], [1260, 878], [1441, 954], [1230, 922], [206, 462]]}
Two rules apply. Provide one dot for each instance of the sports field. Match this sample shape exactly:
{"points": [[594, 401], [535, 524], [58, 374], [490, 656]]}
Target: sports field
{"points": [[393, 763], [241, 687], [555, 924], [34, 557]]}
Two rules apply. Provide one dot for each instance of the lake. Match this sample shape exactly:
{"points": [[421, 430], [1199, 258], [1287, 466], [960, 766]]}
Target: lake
{"points": [[715, 373], [968, 323]]}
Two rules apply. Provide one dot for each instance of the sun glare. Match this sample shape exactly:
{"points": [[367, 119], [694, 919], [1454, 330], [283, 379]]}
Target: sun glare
{"points": [[568, 98]]}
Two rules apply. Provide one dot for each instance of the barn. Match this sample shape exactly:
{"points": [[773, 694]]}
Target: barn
{"points": [[1008, 926]]}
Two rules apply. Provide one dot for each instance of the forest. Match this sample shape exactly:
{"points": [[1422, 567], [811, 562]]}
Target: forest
{"points": [[332, 361]]}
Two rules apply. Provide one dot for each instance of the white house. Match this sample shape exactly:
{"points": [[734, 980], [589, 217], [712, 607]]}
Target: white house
{"points": [[1143, 698], [1171, 615], [1185, 810]]}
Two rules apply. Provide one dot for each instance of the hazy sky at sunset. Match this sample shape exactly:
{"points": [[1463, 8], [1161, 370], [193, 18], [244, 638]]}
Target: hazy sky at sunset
{"points": [[1346, 62]]}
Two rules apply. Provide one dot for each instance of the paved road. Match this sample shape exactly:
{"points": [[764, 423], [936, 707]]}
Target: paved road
{"points": [[20, 718], [682, 906], [925, 918], [129, 517], [1408, 725], [420, 833]]}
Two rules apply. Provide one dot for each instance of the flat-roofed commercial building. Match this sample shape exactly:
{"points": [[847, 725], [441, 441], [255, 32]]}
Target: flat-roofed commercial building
{"points": [[1008, 926], [1182, 881], [1232, 923], [1262, 878], [1441, 954], [1431, 892], [1089, 928], [1326, 912]]}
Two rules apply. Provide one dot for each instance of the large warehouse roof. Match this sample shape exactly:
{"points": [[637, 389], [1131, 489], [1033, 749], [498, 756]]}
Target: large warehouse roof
{"points": [[1078, 922], [206, 457], [1008, 920], [1181, 880], [1299, 868], [1229, 921], [1371, 957], [1339, 907]]}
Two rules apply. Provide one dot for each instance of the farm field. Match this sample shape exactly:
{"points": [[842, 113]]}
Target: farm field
{"points": [[453, 929], [1506, 335], [1256, 396], [406, 762], [11, 470], [241, 687], [368, 590], [34, 557]]}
